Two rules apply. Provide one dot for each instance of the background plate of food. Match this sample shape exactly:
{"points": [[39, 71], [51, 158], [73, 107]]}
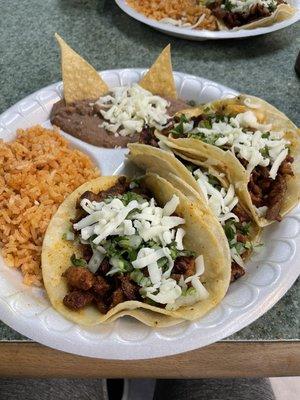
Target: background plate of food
{"points": [[54, 292], [224, 19]]}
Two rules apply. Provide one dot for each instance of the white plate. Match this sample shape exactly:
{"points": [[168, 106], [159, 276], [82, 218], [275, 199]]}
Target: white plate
{"points": [[193, 34], [269, 275]]}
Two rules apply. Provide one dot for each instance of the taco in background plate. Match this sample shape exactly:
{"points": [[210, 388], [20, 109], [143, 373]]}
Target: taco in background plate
{"points": [[249, 14], [204, 185], [253, 143], [117, 247]]}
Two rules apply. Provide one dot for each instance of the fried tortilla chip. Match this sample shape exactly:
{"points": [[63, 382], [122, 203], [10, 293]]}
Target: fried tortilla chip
{"points": [[81, 80], [159, 79]]}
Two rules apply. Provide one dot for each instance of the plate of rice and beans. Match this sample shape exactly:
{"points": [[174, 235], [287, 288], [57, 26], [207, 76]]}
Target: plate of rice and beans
{"points": [[115, 231], [213, 19]]}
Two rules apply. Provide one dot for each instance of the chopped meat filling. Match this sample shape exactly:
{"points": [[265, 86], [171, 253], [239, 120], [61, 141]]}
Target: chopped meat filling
{"points": [[184, 266], [100, 304], [236, 271], [129, 288], [101, 286], [78, 299], [147, 136], [103, 291], [79, 278], [87, 252], [117, 298], [234, 19], [118, 189], [265, 191], [276, 197], [241, 213], [104, 267]]}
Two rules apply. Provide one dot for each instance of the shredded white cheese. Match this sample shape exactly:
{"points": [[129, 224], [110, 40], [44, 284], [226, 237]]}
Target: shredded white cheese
{"points": [[140, 221], [129, 108], [244, 6], [248, 139], [220, 200]]}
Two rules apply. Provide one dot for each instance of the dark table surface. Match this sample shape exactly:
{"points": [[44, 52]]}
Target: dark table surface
{"points": [[262, 66]]}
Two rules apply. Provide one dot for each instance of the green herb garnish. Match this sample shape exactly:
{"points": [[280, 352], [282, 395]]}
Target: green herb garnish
{"points": [[178, 129], [78, 262], [244, 228], [264, 152], [230, 229], [175, 253]]}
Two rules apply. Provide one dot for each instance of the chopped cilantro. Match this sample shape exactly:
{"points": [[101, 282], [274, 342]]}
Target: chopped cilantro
{"points": [[163, 262], [265, 135], [127, 197], [178, 129], [210, 139], [264, 151], [175, 253], [149, 301], [205, 123], [135, 182], [230, 229], [272, 6], [228, 5], [77, 262], [244, 228]]}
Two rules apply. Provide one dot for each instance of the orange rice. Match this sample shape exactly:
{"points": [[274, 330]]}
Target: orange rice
{"points": [[37, 171], [186, 10]]}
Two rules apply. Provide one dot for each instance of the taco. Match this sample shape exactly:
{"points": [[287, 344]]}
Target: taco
{"points": [[253, 143], [117, 247], [113, 117], [211, 190], [249, 14]]}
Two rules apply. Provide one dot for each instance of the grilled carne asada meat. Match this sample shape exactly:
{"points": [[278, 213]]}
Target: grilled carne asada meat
{"points": [[78, 299], [225, 11], [265, 191], [105, 289], [236, 272]]}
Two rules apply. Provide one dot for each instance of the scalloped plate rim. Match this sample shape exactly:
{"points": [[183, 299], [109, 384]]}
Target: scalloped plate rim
{"points": [[161, 346]]}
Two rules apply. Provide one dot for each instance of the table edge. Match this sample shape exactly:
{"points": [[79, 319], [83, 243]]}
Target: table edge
{"points": [[222, 359]]}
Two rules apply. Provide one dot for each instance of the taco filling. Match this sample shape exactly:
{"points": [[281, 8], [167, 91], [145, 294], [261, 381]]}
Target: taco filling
{"points": [[118, 118], [263, 152], [235, 222], [132, 250], [235, 13]]}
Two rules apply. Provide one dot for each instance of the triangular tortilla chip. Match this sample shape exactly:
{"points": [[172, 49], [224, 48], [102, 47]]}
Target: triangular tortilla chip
{"points": [[159, 79], [81, 80]]}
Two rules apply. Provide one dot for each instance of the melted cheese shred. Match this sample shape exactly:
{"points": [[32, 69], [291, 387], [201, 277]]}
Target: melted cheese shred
{"points": [[127, 109], [256, 143], [143, 221], [220, 200]]}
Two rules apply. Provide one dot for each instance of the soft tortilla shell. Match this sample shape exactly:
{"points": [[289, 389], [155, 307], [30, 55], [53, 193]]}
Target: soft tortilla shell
{"points": [[56, 259], [166, 165], [282, 12], [225, 161]]}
